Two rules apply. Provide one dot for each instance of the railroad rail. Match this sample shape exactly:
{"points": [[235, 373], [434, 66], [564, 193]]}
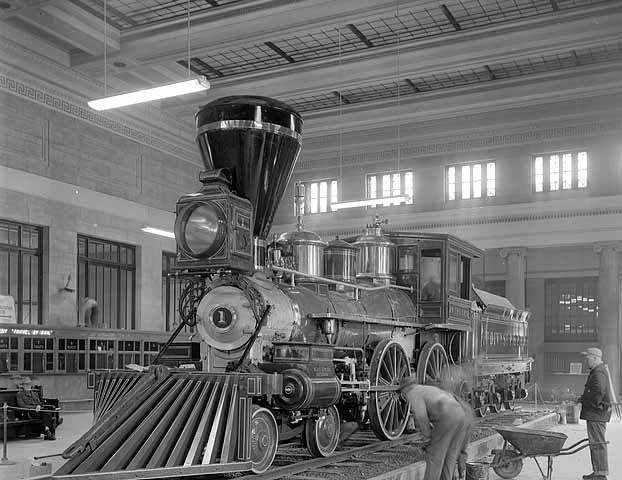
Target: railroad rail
{"points": [[363, 450]]}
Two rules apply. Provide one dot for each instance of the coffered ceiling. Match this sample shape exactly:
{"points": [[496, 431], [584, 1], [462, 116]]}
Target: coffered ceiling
{"points": [[331, 58]]}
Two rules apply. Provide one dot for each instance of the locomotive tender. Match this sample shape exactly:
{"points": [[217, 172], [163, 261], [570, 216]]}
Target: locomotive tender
{"points": [[302, 334]]}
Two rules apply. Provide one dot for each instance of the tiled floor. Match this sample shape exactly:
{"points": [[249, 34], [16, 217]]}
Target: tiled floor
{"points": [[23, 452]]}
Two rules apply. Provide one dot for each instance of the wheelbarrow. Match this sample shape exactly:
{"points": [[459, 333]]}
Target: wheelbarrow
{"points": [[520, 443]]}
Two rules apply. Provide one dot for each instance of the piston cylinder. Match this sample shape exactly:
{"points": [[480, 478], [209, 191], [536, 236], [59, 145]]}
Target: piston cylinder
{"points": [[301, 391]]}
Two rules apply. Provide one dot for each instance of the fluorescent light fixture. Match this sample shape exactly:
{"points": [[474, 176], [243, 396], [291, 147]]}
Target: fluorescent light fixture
{"points": [[157, 231], [370, 202], [149, 94]]}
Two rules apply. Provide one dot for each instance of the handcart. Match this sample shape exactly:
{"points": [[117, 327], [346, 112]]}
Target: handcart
{"points": [[522, 443]]}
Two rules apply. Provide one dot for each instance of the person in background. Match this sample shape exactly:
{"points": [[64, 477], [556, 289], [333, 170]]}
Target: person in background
{"points": [[431, 290], [596, 411], [29, 398], [441, 419]]}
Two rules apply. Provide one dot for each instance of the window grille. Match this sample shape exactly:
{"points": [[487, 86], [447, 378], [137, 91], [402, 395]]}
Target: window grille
{"points": [[559, 171], [391, 184], [107, 274], [470, 180], [21, 265], [571, 309]]}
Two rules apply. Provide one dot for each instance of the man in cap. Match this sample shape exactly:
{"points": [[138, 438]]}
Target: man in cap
{"points": [[31, 399], [451, 423], [596, 411]]}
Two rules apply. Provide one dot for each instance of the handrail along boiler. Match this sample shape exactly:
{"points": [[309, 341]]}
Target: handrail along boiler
{"points": [[310, 333]]}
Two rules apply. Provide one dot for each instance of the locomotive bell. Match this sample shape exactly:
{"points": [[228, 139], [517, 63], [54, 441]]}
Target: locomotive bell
{"points": [[376, 257]]}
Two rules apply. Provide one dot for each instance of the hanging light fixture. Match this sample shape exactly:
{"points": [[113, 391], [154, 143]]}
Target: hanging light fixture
{"points": [[158, 231], [371, 202], [148, 94]]}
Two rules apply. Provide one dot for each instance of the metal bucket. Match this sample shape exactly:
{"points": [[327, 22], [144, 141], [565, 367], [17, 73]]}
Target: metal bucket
{"points": [[477, 471]]}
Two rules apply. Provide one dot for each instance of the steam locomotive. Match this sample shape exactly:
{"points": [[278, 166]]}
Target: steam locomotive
{"points": [[302, 334]]}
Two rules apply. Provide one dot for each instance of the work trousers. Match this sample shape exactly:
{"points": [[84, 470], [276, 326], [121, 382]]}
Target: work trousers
{"points": [[47, 417], [446, 442], [595, 434], [468, 429]]}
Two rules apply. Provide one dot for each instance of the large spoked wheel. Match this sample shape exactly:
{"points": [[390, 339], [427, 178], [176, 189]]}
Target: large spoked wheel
{"points": [[388, 410], [433, 365], [509, 464], [264, 439], [322, 434]]}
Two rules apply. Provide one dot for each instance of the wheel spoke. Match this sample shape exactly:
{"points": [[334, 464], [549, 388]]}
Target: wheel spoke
{"points": [[382, 405]]}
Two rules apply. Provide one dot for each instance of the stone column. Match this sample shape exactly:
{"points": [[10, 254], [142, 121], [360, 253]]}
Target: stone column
{"points": [[609, 308], [515, 268]]}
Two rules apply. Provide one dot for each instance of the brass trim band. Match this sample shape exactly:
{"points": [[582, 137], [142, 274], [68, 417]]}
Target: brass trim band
{"points": [[249, 125]]}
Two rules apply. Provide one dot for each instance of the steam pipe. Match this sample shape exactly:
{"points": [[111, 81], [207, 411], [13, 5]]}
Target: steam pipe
{"points": [[337, 282]]}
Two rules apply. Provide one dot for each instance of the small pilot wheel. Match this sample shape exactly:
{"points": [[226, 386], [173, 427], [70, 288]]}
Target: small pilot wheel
{"points": [[495, 402], [264, 439], [322, 434], [510, 464], [388, 410], [481, 411], [433, 365], [510, 404]]}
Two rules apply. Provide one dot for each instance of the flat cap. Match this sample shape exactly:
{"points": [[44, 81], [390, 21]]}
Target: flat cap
{"points": [[597, 352]]}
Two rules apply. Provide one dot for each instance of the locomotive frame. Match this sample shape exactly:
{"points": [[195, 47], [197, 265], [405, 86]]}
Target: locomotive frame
{"points": [[323, 348]]}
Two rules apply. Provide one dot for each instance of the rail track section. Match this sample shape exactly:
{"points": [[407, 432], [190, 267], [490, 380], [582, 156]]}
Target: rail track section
{"points": [[363, 452]]}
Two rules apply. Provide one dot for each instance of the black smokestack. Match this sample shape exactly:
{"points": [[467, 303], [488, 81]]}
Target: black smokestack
{"points": [[259, 140]]}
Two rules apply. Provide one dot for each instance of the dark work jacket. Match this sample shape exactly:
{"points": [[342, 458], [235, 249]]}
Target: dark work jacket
{"points": [[595, 403], [29, 399]]}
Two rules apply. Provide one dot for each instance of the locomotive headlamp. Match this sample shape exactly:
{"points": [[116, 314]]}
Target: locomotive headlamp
{"points": [[201, 229]]}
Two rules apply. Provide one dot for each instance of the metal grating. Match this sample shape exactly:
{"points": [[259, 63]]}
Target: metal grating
{"points": [[402, 25], [242, 60], [124, 14], [310, 103], [409, 24], [548, 63], [320, 44], [446, 80]]}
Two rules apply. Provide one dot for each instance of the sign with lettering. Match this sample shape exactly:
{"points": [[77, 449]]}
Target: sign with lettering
{"points": [[26, 332]]}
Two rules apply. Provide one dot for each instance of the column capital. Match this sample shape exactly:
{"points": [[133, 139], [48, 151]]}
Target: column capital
{"points": [[601, 247], [519, 251]]}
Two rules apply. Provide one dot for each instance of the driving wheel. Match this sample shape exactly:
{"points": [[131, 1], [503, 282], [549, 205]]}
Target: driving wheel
{"points": [[388, 410], [322, 434], [264, 439], [509, 462], [433, 365]]}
